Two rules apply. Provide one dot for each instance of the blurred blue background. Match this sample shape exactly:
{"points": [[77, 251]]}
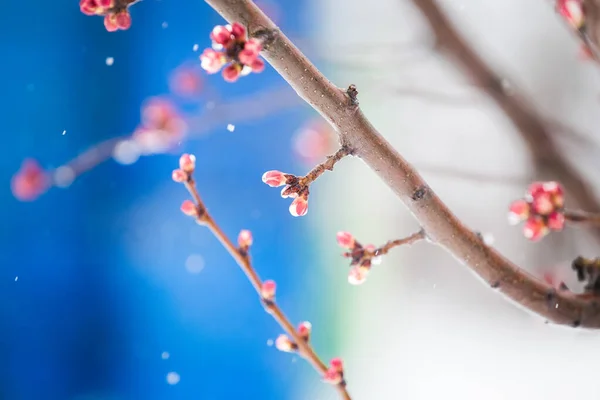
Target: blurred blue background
{"points": [[97, 302]]}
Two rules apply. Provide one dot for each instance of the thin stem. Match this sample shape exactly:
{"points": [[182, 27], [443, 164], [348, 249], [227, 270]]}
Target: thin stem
{"points": [[442, 226], [415, 237], [582, 217], [304, 348], [325, 166]]}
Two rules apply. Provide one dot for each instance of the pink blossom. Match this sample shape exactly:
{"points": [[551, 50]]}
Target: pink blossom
{"points": [[345, 240], [30, 181], [232, 72], [212, 61], [274, 178], [189, 208], [268, 289], [299, 206]]}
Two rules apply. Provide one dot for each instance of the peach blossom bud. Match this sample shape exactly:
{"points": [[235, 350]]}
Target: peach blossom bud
{"points": [[187, 163], [220, 35], [231, 73], [30, 181], [106, 3], [212, 61], [518, 211], [556, 221], [110, 23], [535, 229], [572, 11], [542, 204], [299, 206], [189, 208], [245, 239], [123, 20], [358, 275], [555, 190], [535, 189], [333, 377], [345, 240], [88, 7], [179, 176], [238, 31], [267, 290], [283, 343], [336, 364], [304, 330], [274, 178], [257, 66]]}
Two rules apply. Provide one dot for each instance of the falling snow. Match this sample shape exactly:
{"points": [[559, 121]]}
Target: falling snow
{"points": [[16, 278], [196, 47], [194, 263], [231, 127], [173, 378], [165, 355], [110, 61]]}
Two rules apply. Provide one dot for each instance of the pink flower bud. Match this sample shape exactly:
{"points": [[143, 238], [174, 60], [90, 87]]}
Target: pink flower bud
{"points": [[179, 176], [283, 343], [556, 221], [30, 181], [189, 208], [572, 11], [518, 211], [257, 66], [110, 23], [535, 229], [345, 240], [220, 35], [332, 377], [304, 329], [535, 189], [231, 73], [212, 61], [123, 20], [245, 239], [555, 190], [274, 178], [299, 206], [238, 31], [542, 204], [337, 365], [358, 275], [267, 290], [88, 7], [106, 3], [187, 163]]}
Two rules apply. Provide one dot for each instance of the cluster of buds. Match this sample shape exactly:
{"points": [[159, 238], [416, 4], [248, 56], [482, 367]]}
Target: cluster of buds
{"points": [[362, 257], [30, 181], [295, 188], [162, 126], [232, 46], [285, 344], [588, 271], [335, 373], [115, 13], [542, 209], [572, 11], [187, 165]]}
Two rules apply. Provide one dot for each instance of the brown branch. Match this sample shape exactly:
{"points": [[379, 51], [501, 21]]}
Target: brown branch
{"points": [[582, 217], [415, 237], [324, 166], [530, 124], [242, 258], [441, 225]]}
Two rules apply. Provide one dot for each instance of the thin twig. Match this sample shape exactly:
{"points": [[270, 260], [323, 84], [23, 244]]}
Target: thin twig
{"points": [[582, 217], [324, 166], [441, 225], [415, 237], [243, 260]]}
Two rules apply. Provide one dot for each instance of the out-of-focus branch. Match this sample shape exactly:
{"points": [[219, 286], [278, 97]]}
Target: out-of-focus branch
{"points": [[529, 123]]}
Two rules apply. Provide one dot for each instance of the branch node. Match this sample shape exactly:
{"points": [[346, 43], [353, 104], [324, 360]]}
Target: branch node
{"points": [[352, 93], [266, 36], [420, 193]]}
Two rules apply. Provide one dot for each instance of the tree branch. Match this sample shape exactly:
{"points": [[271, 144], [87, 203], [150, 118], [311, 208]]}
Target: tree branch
{"points": [[440, 224], [529, 123]]}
